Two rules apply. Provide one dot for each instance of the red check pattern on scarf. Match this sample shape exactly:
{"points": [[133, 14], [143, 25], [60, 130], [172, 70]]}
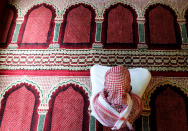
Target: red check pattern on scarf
{"points": [[117, 84]]}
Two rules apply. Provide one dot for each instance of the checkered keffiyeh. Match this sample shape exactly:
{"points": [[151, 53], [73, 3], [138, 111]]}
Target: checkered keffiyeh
{"points": [[116, 86]]}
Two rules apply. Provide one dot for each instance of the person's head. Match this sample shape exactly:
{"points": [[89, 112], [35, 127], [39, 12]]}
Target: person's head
{"points": [[116, 87]]}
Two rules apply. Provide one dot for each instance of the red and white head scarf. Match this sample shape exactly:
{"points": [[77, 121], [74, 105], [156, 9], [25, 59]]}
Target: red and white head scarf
{"points": [[115, 106], [116, 87]]}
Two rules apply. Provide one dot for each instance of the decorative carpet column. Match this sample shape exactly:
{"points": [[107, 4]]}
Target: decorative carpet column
{"points": [[41, 122], [14, 44], [181, 23], [141, 30], [55, 44], [42, 111], [145, 119], [92, 123], [98, 44]]}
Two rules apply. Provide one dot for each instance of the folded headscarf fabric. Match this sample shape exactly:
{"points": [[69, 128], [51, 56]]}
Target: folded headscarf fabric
{"points": [[115, 106]]}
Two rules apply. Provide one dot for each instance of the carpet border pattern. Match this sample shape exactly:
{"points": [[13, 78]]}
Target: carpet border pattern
{"points": [[76, 60]]}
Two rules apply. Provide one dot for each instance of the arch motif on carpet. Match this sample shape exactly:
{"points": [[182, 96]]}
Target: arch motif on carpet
{"points": [[71, 104], [147, 95], [164, 32], [116, 35], [168, 108], [78, 27], [19, 105], [40, 25]]}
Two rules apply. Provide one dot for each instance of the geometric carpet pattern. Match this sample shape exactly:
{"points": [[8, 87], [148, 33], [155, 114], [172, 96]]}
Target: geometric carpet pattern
{"points": [[154, 60]]}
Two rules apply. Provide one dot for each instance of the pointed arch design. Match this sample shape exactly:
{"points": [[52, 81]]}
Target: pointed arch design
{"points": [[29, 82], [8, 25], [22, 12], [85, 88], [168, 102], [78, 28], [111, 3], [73, 3], [74, 109], [147, 95], [167, 3], [120, 28], [39, 21], [19, 108], [163, 33]]}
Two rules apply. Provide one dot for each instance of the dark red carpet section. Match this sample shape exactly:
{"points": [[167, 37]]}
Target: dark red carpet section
{"points": [[169, 110], [78, 26], [77, 30], [186, 17], [39, 21], [161, 23], [19, 109], [68, 110], [7, 25], [119, 27], [161, 26], [120, 22], [2, 7]]}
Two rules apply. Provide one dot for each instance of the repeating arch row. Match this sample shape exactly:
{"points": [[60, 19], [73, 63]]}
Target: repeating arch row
{"points": [[24, 99], [40, 91], [78, 29], [99, 12]]}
